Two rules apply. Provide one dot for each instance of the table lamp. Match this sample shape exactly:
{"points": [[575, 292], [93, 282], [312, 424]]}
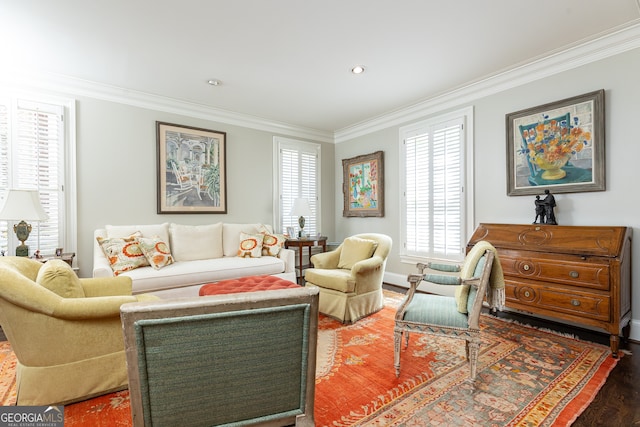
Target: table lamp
{"points": [[22, 205], [301, 208]]}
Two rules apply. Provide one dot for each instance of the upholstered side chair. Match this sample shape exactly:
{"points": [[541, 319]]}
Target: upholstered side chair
{"points": [[64, 331], [450, 316], [350, 277]]}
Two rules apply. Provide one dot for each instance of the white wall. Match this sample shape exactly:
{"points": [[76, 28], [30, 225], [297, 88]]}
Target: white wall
{"points": [[116, 158], [618, 205]]}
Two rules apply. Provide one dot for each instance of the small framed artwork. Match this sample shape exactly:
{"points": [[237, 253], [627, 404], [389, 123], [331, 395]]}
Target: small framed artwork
{"points": [[291, 232], [58, 252], [558, 146], [191, 169], [363, 185]]}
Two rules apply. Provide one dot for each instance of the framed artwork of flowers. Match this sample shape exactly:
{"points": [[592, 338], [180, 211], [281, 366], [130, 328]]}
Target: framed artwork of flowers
{"points": [[363, 185], [192, 174], [558, 146]]}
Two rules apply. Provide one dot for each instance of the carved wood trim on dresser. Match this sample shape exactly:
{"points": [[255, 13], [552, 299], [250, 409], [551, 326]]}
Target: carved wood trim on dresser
{"points": [[572, 273]]}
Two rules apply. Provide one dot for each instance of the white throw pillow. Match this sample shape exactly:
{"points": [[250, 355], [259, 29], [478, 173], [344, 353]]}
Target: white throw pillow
{"points": [[151, 230], [191, 242], [231, 235]]}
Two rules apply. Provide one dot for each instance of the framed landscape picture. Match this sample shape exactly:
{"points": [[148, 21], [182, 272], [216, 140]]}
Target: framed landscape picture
{"points": [[191, 169], [558, 146], [363, 185]]}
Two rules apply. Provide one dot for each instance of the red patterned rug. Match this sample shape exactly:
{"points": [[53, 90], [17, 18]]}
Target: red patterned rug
{"points": [[526, 377]]}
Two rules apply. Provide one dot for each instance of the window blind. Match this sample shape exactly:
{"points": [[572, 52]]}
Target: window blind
{"points": [[433, 195], [32, 147], [298, 177]]}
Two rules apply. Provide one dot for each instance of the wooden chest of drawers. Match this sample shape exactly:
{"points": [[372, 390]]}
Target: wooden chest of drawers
{"points": [[576, 274]]}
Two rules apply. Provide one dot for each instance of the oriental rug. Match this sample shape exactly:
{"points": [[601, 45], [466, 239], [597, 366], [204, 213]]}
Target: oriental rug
{"points": [[526, 377]]}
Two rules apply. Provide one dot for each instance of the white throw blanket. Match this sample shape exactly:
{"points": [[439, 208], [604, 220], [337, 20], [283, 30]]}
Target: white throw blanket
{"points": [[495, 290]]}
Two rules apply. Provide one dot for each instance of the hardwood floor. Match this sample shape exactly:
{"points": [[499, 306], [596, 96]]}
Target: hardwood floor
{"points": [[617, 404]]}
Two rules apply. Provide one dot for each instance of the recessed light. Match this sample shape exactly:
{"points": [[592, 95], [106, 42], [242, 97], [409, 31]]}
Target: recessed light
{"points": [[358, 69], [214, 82]]}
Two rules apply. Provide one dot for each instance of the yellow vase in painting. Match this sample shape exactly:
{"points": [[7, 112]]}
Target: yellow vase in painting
{"points": [[552, 169]]}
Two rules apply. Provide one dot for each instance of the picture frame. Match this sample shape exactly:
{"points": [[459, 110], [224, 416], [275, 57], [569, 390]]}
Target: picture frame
{"points": [[58, 252], [363, 185], [191, 170], [291, 232], [559, 146]]}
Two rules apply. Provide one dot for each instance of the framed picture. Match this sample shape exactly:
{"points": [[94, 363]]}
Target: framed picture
{"points": [[191, 169], [558, 146], [291, 232], [363, 185]]}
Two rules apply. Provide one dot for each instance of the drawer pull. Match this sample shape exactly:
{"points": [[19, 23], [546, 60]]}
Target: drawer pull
{"points": [[574, 274], [527, 294], [526, 267], [575, 302]]}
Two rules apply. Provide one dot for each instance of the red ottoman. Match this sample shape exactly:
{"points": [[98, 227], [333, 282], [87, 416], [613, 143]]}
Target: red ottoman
{"points": [[246, 284]]}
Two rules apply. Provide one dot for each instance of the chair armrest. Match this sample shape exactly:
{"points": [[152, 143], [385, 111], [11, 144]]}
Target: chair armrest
{"points": [[327, 260], [367, 265], [90, 308], [442, 279], [449, 268], [107, 286]]}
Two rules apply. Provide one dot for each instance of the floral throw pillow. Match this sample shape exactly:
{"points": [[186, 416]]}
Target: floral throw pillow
{"points": [[156, 251], [250, 245], [272, 243], [123, 253]]}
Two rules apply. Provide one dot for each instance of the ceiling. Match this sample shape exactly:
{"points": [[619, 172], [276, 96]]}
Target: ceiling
{"points": [[289, 61]]}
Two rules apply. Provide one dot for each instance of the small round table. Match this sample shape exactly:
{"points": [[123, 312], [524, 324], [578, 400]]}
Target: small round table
{"points": [[301, 244]]}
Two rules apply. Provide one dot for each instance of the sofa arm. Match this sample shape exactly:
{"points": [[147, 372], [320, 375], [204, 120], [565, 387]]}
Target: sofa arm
{"points": [[288, 256], [101, 265]]}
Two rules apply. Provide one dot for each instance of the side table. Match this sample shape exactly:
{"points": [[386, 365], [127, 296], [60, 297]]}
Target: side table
{"points": [[66, 257], [310, 243]]}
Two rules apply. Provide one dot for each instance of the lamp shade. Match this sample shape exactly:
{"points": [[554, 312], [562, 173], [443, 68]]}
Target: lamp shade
{"points": [[301, 208], [23, 205]]}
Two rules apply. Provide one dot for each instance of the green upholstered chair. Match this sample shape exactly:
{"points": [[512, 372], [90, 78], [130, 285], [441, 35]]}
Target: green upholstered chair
{"points": [[231, 359], [64, 331], [350, 277], [450, 316]]}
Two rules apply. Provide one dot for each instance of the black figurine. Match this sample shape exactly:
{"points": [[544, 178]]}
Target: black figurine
{"points": [[544, 209]]}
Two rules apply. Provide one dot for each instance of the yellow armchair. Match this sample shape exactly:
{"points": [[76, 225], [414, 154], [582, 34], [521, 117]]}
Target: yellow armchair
{"points": [[350, 277], [68, 349]]}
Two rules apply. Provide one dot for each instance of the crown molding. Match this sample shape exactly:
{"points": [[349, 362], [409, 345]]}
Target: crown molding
{"points": [[25, 80], [618, 41]]}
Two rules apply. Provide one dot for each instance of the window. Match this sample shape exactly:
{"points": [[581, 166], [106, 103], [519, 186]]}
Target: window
{"points": [[297, 166], [434, 205], [33, 150]]}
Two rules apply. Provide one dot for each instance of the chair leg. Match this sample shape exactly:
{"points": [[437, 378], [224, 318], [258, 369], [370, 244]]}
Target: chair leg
{"points": [[406, 339], [397, 339], [473, 350]]}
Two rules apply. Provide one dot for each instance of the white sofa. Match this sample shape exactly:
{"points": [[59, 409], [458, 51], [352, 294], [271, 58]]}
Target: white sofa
{"points": [[201, 254]]}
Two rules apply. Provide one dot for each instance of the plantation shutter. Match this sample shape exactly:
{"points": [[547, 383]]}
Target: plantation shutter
{"points": [[433, 192], [32, 147], [298, 171]]}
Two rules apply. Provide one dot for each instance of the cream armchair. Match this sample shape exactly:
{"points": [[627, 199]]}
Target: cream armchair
{"points": [[350, 277], [65, 331]]}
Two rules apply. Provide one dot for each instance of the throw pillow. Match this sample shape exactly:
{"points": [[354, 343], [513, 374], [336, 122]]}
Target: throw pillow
{"points": [[272, 243], [231, 235], [156, 251], [193, 242], [57, 276], [250, 245], [123, 253], [355, 249]]}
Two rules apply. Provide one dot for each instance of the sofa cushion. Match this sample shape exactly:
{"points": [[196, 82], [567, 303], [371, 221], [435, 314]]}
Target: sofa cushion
{"points": [[355, 249], [194, 242], [250, 245], [156, 251], [231, 235], [57, 276], [151, 230], [123, 253], [272, 243]]}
